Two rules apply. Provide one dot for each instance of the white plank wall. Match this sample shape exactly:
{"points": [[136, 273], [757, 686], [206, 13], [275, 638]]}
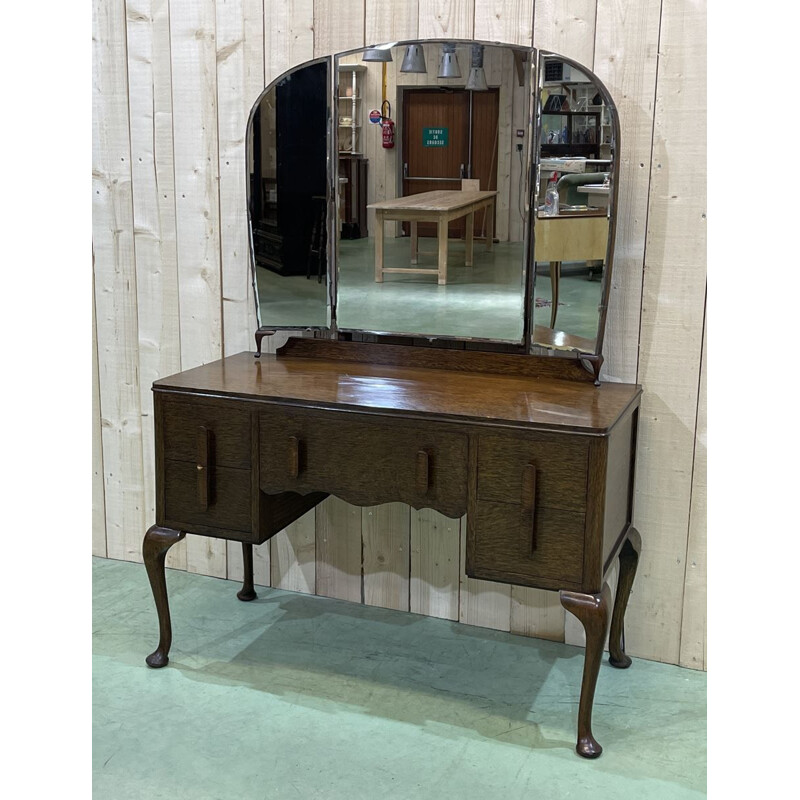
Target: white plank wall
{"points": [[173, 84]]}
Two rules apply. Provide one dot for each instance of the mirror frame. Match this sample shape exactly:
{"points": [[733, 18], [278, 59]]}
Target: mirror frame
{"points": [[533, 123]]}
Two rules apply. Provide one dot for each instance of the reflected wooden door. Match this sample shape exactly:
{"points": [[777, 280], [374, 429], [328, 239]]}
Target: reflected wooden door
{"points": [[428, 167]]}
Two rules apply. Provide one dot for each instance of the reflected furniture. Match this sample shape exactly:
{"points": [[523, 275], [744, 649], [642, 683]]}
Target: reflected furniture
{"points": [[578, 237], [598, 193], [540, 460], [569, 186], [440, 207]]}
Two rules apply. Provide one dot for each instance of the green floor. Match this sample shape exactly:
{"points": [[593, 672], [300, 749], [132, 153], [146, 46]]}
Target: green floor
{"points": [[299, 696], [483, 301]]}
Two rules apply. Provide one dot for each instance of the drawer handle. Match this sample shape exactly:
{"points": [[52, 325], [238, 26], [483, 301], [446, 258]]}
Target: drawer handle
{"points": [[528, 520], [203, 466], [294, 457], [423, 472]]}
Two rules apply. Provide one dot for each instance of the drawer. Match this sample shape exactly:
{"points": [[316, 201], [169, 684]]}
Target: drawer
{"points": [[186, 422], [225, 503], [363, 460], [542, 549], [560, 463]]}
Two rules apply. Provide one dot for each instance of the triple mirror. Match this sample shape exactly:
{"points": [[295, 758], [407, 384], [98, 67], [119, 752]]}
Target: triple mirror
{"points": [[438, 190]]}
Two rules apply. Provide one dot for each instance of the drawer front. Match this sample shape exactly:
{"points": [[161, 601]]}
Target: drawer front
{"points": [[560, 464], [363, 460], [509, 543], [225, 430], [218, 497]]}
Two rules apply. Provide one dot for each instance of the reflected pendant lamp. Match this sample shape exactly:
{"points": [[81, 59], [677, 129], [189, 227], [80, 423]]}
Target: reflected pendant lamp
{"points": [[448, 68], [414, 60], [381, 54], [477, 77]]}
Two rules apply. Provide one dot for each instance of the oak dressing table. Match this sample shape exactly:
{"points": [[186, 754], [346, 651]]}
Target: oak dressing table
{"points": [[520, 436]]}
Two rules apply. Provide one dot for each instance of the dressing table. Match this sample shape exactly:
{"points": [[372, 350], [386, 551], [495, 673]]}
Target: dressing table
{"points": [[521, 436]]}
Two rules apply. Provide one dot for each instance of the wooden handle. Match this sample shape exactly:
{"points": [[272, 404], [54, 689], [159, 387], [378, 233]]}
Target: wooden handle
{"points": [[528, 521], [294, 457], [203, 467], [423, 472]]}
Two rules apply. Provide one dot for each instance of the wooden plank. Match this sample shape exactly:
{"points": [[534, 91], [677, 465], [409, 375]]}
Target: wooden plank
{"points": [[155, 237], [508, 21], [194, 108], [673, 307], [482, 603], [435, 564], [566, 27], [98, 490], [240, 79], [535, 612], [693, 624], [386, 534], [338, 26], [293, 556], [339, 550], [115, 286], [390, 21], [288, 36], [446, 19], [625, 60]]}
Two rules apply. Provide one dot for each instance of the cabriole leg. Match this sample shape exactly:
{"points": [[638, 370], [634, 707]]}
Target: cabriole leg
{"points": [[628, 561], [154, 550], [247, 591], [592, 610]]}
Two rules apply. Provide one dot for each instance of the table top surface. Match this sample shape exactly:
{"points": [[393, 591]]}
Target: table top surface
{"points": [[538, 402], [439, 200], [594, 188]]}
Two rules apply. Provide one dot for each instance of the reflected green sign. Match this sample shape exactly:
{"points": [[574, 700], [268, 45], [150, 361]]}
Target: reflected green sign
{"points": [[434, 137]]}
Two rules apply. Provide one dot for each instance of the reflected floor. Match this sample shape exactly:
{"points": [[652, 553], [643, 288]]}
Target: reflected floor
{"points": [[482, 301]]}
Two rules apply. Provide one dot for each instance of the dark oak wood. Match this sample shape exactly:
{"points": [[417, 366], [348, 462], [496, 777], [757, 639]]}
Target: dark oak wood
{"points": [[628, 561], [543, 466], [592, 612], [247, 592], [157, 541]]}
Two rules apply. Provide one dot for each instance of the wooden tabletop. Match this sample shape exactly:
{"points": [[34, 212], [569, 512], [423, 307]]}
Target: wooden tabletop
{"points": [[543, 403], [440, 200]]}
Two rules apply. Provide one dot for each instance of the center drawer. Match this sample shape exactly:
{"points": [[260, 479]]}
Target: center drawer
{"points": [[362, 459]]}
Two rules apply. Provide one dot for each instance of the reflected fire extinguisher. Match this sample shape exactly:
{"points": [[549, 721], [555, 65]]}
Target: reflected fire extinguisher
{"points": [[387, 125]]}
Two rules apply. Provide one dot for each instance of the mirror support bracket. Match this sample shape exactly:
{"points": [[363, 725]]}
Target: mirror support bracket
{"points": [[259, 336], [592, 362]]}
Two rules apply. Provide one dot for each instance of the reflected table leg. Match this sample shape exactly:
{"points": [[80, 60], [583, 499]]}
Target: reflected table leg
{"points": [[555, 278], [378, 247], [414, 243], [442, 231], [470, 237]]}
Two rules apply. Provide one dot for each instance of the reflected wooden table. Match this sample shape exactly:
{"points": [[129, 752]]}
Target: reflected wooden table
{"points": [[440, 207], [569, 237]]}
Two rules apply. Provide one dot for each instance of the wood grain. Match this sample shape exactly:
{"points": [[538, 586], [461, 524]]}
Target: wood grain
{"points": [[293, 556], [339, 550], [673, 306], [504, 21], [386, 537], [389, 21], [566, 27], [338, 25], [196, 143], [693, 623], [98, 490], [115, 287], [435, 564], [448, 19]]}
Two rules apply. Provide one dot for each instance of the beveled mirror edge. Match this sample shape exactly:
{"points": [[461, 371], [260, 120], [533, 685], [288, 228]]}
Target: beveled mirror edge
{"points": [[527, 345], [265, 330], [539, 349]]}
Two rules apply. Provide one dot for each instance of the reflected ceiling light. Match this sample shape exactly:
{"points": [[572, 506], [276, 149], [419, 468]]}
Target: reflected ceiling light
{"points": [[477, 77], [414, 60], [448, 68], [383, 52]]}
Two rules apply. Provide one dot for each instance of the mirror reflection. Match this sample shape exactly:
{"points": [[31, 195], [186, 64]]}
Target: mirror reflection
{"points": [[433, 143], [572, 218], [288, 168]]}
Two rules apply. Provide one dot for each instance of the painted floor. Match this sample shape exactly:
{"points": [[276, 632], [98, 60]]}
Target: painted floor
{"points": [[483, 301], [299, 696]]}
